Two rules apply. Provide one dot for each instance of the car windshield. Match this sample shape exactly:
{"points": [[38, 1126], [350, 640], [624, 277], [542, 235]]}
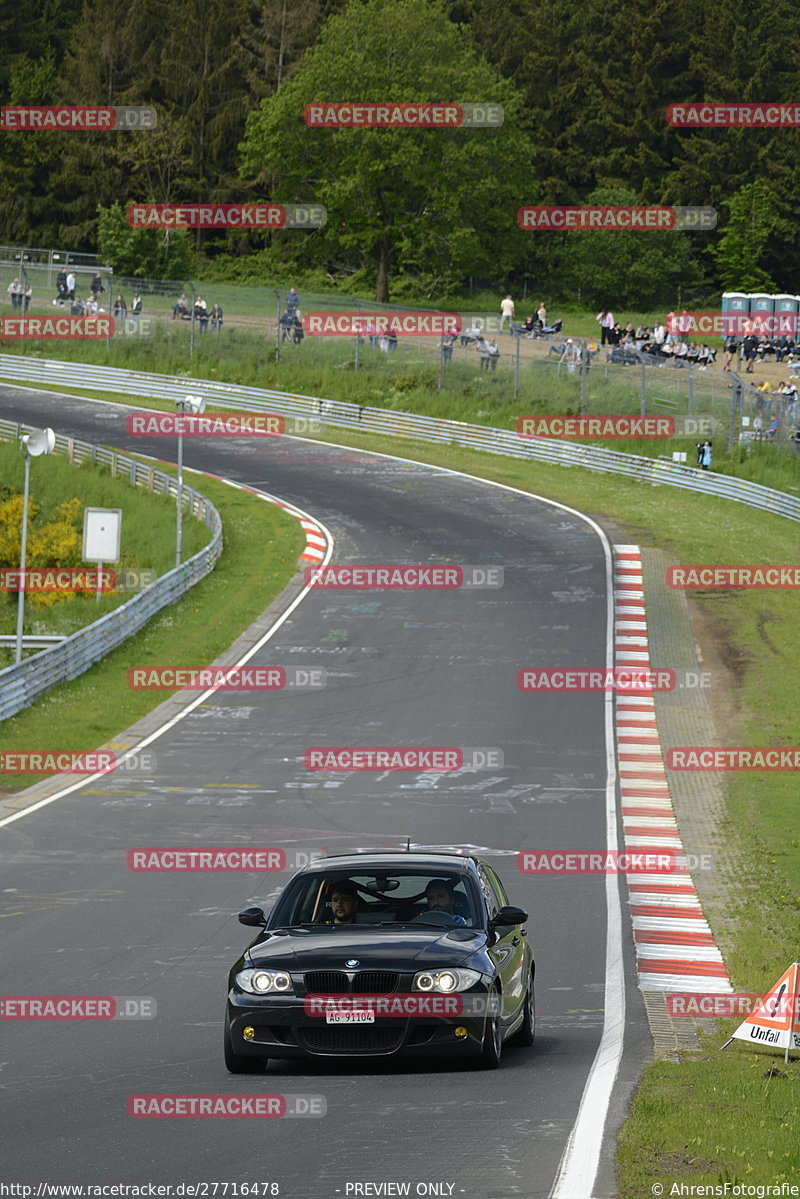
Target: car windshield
{"points": [[391, 897]]}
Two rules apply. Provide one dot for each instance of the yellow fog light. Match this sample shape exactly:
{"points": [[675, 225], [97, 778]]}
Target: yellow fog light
{"points": [[248, 1033], [460, 1032]]}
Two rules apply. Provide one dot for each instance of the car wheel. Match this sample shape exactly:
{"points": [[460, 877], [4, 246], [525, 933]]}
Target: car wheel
{"points": [[492, 1035], [237, 1063], [526, 1033]]}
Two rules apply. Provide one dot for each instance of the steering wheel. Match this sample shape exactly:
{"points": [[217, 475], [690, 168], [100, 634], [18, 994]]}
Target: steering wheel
{"points": [[434, 917]]}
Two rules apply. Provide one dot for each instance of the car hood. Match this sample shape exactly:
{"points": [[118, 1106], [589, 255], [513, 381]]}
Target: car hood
{"points": [[379, 949]]}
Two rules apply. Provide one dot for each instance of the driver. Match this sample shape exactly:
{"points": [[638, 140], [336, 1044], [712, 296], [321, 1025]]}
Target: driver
{"points": [[344, 902], [440, 899]]}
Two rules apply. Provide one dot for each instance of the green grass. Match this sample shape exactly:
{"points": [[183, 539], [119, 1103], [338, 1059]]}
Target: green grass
{"points": [[262, 544], [147, 543]]}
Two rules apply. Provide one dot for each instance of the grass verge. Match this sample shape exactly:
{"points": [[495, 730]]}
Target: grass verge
{"points": [[261, 547], [147, 543]]}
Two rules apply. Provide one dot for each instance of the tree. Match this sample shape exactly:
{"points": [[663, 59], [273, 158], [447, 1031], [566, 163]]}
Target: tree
{"points": [[417, 200], [631, 270], [141, 253], [752, 218]]}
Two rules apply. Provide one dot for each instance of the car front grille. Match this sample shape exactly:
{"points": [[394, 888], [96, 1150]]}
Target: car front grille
{"points": [[364, 982], [327, 982], [362, 1038]]}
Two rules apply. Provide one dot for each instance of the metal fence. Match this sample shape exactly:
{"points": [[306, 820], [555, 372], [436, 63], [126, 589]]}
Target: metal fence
{"points": [[367, 419], [21, 684]]}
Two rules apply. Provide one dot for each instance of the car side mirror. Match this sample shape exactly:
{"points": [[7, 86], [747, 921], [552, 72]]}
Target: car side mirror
{"points": [[508, 917], [253, 916]]}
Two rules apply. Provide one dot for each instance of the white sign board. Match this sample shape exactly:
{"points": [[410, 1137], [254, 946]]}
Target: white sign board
{"points": [[102, 530]]}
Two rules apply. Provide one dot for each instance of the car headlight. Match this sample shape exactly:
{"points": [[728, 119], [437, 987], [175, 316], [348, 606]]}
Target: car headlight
{"points": [[445, 980], [264, 982]]}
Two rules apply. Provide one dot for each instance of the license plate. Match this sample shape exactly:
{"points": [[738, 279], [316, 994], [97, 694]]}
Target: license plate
{"points": [[361, 1017]]}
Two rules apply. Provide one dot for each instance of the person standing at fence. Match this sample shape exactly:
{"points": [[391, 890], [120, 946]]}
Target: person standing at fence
{"points": [[14, 289], [507, 309], [61, 287], [706, 459], [292, 301], [136, 307], [71, 281], [25, 299], [96, 287], [606, 322]]}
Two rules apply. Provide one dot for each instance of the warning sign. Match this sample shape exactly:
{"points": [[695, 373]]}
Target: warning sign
{"points": [[775, 1021]]}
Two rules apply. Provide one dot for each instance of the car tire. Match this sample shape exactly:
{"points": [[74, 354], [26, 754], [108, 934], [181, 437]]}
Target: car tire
{"points": [[526, 1033], [237, 1063], [492, 1048]]}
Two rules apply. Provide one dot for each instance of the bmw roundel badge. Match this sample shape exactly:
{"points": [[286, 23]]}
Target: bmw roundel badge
{"points": [[352, 962]]}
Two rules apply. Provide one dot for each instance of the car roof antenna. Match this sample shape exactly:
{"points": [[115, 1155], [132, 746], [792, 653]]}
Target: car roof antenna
{"points": [[408, 845]]}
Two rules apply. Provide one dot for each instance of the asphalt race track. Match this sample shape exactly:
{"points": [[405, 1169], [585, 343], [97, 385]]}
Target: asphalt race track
{"points": [[405, 668]]}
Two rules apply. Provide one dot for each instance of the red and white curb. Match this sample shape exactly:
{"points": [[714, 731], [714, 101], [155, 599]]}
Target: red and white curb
{"points": [[675, 948], [317, 538]]}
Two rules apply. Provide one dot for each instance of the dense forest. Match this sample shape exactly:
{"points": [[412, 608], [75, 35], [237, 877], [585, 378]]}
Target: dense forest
{"points": [[584, 90]]}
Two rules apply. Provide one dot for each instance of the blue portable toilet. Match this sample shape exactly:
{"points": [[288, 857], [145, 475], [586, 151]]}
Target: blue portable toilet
{"points": [[735, 310], [762, 311], [787, 309]]}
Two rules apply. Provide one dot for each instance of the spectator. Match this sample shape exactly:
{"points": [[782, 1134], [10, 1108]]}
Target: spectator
{"points": [[136, 307], [750, 349], [606, 322], [506, 312], [781, 347], [120, 308], [541, 312], [292, 301], [448, 341], [628, 334], [26, 298], [701, 449], [180, 307], [615, 335], [61, 287], [96, 286], [659, 336], [706, 459], [201, 313], [731, 348], [71, 281], [286, 323], [15, 290], [216, 318], [77, 307]]}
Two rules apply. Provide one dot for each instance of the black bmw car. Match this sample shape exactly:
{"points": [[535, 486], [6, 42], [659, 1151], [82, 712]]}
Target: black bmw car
{"points": [[376, 954]]}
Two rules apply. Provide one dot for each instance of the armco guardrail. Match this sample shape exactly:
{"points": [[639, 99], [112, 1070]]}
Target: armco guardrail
{"points": [[22, 683], [400, 424]]}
